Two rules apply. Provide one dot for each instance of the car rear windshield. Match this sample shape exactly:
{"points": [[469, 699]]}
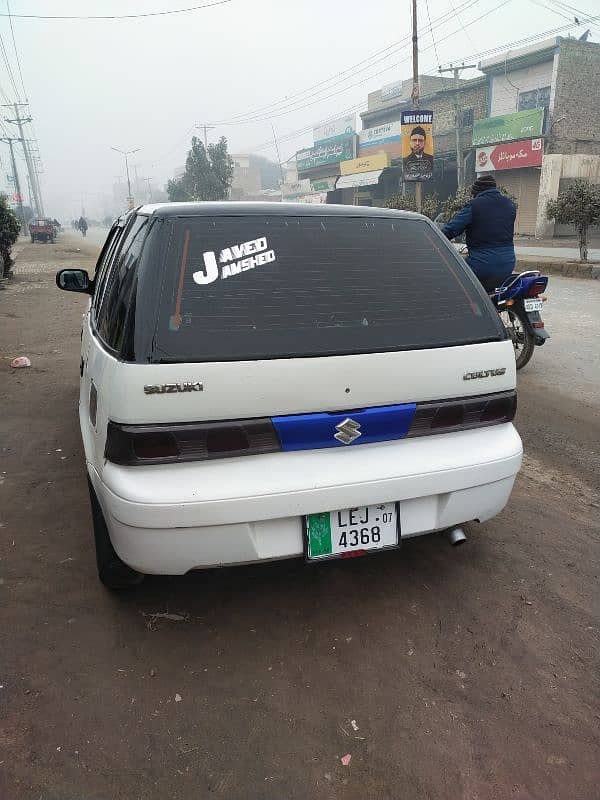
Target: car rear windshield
{"points": [[254, 287]]}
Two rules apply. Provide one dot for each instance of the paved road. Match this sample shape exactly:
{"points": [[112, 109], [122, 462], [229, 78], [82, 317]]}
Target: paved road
{"points": [[569, 362], [468, 673]]}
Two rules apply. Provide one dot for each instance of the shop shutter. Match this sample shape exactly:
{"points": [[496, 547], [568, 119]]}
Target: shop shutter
{"points": [[524, 184]]}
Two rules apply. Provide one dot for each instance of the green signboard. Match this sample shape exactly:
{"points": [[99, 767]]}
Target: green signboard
{"points": [[509, 127], [326, 153]]}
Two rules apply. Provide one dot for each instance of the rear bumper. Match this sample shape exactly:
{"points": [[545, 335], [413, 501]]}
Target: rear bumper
{"points": [[168, 520]]}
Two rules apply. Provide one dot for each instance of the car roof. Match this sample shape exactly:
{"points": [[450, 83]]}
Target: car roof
{"points": [[241, 208]]}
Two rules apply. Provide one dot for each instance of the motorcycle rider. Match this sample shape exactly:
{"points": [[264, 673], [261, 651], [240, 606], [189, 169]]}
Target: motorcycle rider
{"points": [[82, 225], [488, 221]]}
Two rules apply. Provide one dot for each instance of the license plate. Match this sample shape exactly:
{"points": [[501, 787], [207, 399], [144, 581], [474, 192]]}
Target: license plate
{"points": [[533, 305], [333, 534]]}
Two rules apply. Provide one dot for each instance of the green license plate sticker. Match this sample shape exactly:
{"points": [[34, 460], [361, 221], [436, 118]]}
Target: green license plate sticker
{"points": [[334, 533]]}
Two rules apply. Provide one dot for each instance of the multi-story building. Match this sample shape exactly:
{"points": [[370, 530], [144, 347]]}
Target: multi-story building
{"points": [[246, 177], [381, 129], [543, 126]]}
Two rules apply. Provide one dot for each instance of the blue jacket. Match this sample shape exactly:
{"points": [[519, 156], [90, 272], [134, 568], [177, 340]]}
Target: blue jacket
{"points": [[489, 222]]}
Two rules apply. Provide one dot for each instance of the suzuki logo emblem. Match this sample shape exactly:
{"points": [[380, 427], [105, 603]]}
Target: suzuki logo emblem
{"points": [[348, 431]]}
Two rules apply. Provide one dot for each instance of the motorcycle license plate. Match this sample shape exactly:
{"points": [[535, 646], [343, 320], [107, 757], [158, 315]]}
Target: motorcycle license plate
{"points": [[334, 534], [533, 305]]}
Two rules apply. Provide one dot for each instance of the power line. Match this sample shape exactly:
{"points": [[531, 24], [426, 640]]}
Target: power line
{"points": [[473, 56], [393, 47], [12, 31], [467, 34], [431, 29], [8, 67], [188, 10], [528, 39], [364, 80]]}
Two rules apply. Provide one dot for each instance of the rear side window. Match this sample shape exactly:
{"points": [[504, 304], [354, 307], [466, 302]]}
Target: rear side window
{"points": [[104, 262], [258, 287], [115, 317]]}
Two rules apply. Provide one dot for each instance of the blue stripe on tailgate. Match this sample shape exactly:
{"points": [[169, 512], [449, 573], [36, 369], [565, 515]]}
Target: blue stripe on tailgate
{"points": [[313, 431]]}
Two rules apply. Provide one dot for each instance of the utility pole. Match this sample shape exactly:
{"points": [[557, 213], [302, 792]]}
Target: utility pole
{"points": [[149, 189], [415, 91], [458, 121], [39, 206], [127, 153], [206, 128], [16, 177]]}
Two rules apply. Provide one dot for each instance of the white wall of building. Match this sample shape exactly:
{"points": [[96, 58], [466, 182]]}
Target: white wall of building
{"points": [[555, 168], [505, 88]]}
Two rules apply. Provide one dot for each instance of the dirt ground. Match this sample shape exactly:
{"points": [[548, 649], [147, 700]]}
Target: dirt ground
{"points": [[445, 673]]}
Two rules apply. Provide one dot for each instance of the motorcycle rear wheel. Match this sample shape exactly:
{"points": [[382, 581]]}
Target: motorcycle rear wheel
{"points": [[522, 339]]}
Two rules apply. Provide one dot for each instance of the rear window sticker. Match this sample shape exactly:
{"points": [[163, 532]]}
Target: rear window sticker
{"points": [[234, 259]]}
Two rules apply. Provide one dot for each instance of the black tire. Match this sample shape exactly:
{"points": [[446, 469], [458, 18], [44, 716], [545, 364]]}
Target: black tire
{"points": [[522, 338], [113, 573]]}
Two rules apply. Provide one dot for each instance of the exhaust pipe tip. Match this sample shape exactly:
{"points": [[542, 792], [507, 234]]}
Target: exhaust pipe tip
{"points": [[456, 536]]}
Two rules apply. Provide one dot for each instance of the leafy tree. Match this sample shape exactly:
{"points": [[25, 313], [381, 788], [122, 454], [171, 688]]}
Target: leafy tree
{"points": [[401, 202], [430, 205], [10, 228], [578, 205], [458, 201], [208, 173], [455, 203]]}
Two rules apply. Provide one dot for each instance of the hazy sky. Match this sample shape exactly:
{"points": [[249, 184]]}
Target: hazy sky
{"points": [[145, 82]]}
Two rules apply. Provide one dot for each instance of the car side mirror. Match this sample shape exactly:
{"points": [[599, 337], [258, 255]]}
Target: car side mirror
{"points": [[74, 280]]}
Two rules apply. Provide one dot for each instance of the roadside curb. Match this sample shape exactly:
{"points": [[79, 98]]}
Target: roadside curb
{"points": [[569, 269]]}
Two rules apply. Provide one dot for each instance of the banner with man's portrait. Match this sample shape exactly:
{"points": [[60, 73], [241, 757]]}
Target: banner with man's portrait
{"points": [[417, 145]]}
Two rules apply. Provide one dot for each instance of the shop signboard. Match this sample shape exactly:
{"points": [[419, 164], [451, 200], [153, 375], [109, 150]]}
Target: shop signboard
{"points": [[335, 130], [328, 153], [365, 164], [323, 184], [513, 155], [385, 138], [509, 127], [417, 145], [290, 191]]}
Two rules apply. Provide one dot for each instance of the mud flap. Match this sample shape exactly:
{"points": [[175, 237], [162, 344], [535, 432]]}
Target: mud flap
{"points": [[539, 334]]}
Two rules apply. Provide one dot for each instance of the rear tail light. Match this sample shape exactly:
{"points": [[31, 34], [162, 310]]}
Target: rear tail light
{"points": [[460, 415], [537, 288], [137, 445]]}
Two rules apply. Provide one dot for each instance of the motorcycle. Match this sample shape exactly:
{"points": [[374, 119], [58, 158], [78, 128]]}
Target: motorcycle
{"points": [[519, 302]]}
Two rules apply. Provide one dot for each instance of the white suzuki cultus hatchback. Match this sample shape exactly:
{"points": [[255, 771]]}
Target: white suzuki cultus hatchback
{"points": [[266, 381]]}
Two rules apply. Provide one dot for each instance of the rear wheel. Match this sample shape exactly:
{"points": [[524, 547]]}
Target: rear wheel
{"points": [[522, 338], [113, 572]]}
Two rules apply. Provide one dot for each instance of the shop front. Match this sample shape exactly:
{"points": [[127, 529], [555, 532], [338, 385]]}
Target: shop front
{"points": [[361, 182], [511, 148], [517, 169], [319, 167]]}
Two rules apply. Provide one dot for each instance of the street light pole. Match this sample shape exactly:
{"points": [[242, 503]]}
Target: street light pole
{"points": [[127, 153]]}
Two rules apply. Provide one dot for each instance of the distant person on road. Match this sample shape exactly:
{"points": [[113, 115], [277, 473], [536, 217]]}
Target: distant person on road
{"points": [[418, 164], [82, 225], [488, 221]]}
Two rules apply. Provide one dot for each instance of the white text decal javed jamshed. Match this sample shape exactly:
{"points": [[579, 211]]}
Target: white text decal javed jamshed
{"points": [[234, 260]]}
